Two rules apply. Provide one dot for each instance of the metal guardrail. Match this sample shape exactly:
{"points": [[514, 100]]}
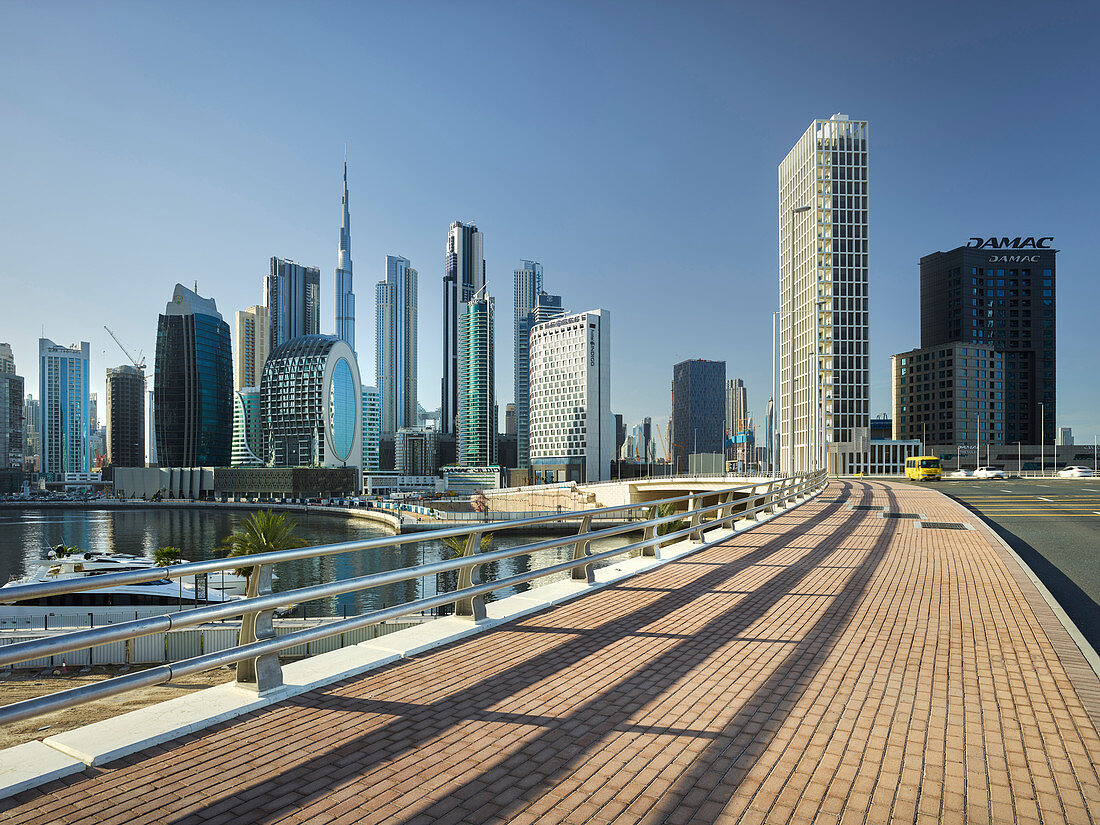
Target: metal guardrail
{"points": [[257, 649]]}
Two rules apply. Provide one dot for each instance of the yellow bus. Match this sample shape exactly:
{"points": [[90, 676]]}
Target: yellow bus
{"points": [[924, 468]]}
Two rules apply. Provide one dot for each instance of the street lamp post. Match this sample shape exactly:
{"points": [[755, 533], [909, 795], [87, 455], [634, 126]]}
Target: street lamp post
{"points": [[775, 397], [1042, 441]]}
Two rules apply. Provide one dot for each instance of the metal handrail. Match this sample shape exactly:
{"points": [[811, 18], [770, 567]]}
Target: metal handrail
{"points": [[258, 648]]}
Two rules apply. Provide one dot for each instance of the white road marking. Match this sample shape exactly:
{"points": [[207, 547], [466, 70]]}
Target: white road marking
{"points": [[1006, 491], [1044, 499]]}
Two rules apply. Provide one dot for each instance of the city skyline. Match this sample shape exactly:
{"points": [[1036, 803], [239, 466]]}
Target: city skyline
{"points": [[930, 191]]}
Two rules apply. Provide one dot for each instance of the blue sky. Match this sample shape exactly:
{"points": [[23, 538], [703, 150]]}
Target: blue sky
{"points": [[630, 147]]}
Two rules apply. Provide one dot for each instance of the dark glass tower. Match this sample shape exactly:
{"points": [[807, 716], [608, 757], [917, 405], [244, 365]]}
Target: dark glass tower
{"points": [[193, 384], [698, 409], [463, 279], [1003, 297]]}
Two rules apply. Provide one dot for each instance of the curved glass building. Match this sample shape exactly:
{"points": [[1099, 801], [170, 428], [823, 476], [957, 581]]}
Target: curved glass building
{"points": [[193, 384], [311, 404]]}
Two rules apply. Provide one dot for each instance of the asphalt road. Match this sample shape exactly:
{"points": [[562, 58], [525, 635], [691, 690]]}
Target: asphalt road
{"points": [[1054, 525]]}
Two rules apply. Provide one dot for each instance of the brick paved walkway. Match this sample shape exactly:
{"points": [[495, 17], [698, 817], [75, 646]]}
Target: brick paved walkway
{"points": [[830, 666]]}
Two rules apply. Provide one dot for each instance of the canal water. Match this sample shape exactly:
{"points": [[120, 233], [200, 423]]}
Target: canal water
{"points": [[26, 535]]}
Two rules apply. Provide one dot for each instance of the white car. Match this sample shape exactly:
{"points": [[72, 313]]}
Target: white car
{"points": [[959, 474], [1074, 472], [989, 472]]}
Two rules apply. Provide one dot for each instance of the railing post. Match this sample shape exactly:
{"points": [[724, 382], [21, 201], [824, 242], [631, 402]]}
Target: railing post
{"points": [[263, 673], [650, 534], [468, 576], [696, 518], [580, 550]]}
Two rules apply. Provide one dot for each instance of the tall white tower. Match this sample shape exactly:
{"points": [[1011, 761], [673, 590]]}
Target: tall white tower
{"points": [[823, 312]]}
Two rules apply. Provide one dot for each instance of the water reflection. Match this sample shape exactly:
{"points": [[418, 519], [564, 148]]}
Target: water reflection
{"points": [[26, 535]]}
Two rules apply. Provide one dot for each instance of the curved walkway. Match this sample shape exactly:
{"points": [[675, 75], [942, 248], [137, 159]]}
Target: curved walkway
{"points": [[830, 666]]}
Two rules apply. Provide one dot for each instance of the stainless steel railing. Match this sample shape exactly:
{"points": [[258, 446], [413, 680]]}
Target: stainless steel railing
{"points": [[257, 650]]}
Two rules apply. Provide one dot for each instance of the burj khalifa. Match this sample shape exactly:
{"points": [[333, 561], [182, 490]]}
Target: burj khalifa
{"points": [[345, 297]]}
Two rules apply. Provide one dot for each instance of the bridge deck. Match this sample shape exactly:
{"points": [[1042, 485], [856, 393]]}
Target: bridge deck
{"points": [[830, 666]]}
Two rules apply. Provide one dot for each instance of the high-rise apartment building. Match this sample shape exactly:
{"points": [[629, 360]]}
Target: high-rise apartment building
{"points": [[125, 416], [311, 404], [698, 410], [572, 428], [7, 360], [737, 406], [949, 394], [292, 293], [63, 390], [372, 429], [12, 425], [824, 356], [464, 277], [1001, 293], [252, 337], [247, 443], [32, 428], [532, 306], [417, 451], [396, 344], [477, 425], [193, 384], [345, 297]]}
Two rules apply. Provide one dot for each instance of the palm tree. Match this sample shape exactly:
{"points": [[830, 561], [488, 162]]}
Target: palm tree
{"points": [[262, 532], [166, 556], [661, 511], [454, 547]]}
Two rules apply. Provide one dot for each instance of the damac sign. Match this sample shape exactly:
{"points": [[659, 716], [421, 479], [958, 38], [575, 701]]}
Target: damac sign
{"points": [[1010, 243]]}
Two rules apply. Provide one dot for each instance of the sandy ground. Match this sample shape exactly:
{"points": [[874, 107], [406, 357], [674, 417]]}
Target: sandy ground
{"points": [[17, 686]]}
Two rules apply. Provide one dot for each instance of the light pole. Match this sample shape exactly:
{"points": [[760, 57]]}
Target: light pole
{"points": [[1042, 441], [775, 396]]}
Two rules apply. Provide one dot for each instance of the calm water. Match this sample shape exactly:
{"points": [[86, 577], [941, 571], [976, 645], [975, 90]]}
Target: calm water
{"points": [[25, 535]]}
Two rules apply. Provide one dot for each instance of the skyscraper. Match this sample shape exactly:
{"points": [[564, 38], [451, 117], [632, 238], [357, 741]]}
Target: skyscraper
{"points": [[477, 426], [823, 280], [292, 293], [125, 416], [698, 410], [396, 344], [1000, 293], [12, 425], [247, 444], [372, 429], [345, 298], [63, 390], [737, 406], [572, 429], [7, 360], [252, 337], [463, 278], [32, 426], [193, 384], [532, 306]]}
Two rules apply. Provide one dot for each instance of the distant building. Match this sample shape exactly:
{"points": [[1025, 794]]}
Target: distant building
{"points": [[247, 438], [292, 294], [12, 430], [63, 390], [737, 407], [311, 404], [1064, 437], [372, 430], [417, 451], [151, 427], [193, 384], [510, 419], [949, 394], [572, 428], [477, 425], [32, 418], [698, 410], [463, 278], [7, 359], [532, 305], [882, 427], [344, 305], [396, 344], [251, 342], [1000, 295], [125, 417]]}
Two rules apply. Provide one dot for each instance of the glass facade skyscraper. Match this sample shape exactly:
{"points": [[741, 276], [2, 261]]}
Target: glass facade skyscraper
{"points": [[345, 297], [532, 306], [372, 429], [193, 384], [64, 396], [311, 404], [464, 277], [125, 414], [477, 426], [292, 293], [396, 342], [698, 410], [246, 428]]}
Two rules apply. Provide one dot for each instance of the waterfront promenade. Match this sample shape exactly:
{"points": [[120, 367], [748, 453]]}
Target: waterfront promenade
{"points": [[829, 666]]}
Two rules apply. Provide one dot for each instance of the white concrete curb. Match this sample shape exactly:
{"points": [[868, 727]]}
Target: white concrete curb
{"points": [[35, 763]]}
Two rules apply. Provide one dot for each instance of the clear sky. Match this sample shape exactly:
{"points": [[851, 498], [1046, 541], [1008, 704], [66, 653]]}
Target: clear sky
{"points": [[630, 147]]}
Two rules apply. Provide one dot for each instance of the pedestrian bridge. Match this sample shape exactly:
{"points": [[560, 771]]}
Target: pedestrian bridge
{"points": [[867, 652]]}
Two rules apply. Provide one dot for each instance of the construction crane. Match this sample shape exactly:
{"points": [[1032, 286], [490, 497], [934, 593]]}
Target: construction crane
{"points": [[668, 458], [139, 364]]}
